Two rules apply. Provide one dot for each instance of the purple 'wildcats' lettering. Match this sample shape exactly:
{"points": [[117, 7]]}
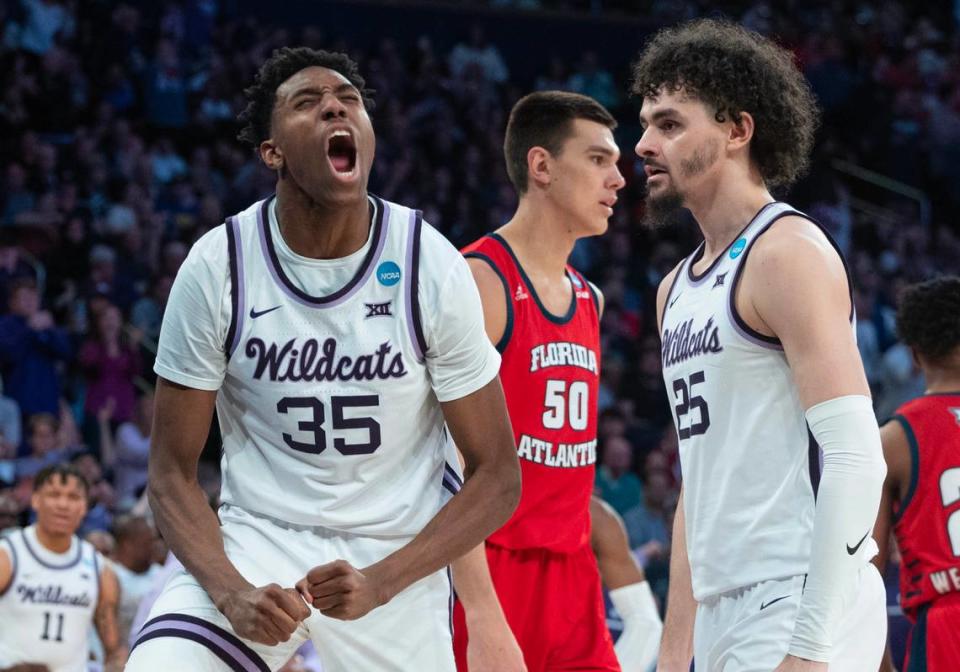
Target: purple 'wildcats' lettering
{"points": [[52, 595], [684, 343], [313, 361]]}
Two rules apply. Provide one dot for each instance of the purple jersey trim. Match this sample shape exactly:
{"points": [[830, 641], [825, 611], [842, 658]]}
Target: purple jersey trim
{"points": [[380, 223], [412, 285], [227, 646], [451, 472], [695, 279], [740, 325], [813, 462], [69, 563], [237, 299]]}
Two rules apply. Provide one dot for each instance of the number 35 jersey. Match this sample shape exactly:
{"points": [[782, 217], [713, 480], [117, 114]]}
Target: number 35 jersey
{"points": [[750, 466], [330, 372], [550, 374]]}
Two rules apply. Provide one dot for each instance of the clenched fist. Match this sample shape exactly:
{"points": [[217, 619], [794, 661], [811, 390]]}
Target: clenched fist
{"points": [[340, 590], [267, 615]]}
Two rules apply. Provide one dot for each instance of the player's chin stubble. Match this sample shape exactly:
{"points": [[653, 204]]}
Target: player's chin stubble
{"points": [[667, 208]]}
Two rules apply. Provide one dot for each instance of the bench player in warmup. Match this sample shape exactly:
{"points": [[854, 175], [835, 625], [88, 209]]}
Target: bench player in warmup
{"points": [[770, 558], [921, 495], [341, 340]]}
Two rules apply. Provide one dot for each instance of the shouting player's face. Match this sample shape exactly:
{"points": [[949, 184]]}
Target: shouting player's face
{"points": [[680, 148], [61, 504], [322, 136], [586, 178]]}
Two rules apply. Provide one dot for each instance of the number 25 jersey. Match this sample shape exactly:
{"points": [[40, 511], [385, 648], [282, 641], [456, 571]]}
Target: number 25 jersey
{"points": [[750, 466], [330, 373], [550, 373]]}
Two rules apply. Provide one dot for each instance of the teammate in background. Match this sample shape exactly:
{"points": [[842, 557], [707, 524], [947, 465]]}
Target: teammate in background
{"points": [[628, 589], [133, 564], [758, 349], [544, 318], [339, 337], [921, 496], [54, 585]]}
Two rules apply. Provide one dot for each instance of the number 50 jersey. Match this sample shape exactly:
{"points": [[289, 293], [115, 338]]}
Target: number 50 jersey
{"points": [[550, 374], [750, 466], [329, 401]]}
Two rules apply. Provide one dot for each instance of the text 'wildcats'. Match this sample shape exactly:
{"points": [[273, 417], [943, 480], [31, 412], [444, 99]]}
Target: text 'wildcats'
{"points": [[684, 343], [562, 354], [313, 361]]}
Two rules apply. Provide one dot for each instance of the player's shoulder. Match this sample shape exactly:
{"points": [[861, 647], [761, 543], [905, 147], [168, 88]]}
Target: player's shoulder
{"points": [[795, 241], [438, 256]]}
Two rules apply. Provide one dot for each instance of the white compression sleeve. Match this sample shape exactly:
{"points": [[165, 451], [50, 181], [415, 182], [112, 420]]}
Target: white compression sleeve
{"points": [[640, 640], [847, 504]]}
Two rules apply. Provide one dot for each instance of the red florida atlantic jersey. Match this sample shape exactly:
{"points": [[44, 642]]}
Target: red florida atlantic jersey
{"points": [[550, 373], [927, 523]]}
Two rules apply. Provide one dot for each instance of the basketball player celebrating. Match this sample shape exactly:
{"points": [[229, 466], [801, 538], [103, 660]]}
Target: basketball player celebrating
{"points": [[921, 496], [544, 318], [54, 585], [758, 358], [337, 335]]}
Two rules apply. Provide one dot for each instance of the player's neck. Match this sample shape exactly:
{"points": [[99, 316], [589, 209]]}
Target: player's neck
{"points": [[55, 543], [723, 208], [320, 231], [542, 246], [942, 379]]}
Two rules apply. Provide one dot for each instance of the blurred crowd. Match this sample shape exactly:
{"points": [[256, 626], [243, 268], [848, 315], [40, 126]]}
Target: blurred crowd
{"points": [[119, 151]]}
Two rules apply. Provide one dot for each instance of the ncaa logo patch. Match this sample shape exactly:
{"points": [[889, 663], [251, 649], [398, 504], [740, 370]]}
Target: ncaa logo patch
{"points": [[388, 273], [737, 248]]}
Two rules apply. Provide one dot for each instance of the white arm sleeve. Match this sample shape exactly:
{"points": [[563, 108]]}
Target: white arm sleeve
{"points": [[847, 504], [460, 357], [639, 642]]}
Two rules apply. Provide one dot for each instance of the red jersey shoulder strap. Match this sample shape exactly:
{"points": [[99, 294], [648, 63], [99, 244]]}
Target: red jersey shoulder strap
{"points": [[495, 256]]}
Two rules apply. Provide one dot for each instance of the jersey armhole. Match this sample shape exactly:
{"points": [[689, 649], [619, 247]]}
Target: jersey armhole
{"points": [[236, 286], [415, 319], [13, 564], [501, 345], [914, 466], [739, 323], [97, 569]]}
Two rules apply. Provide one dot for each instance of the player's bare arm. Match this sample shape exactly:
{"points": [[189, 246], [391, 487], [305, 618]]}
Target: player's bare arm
{"points": [[493, 297], [6, 576], [630, 593], [480, 426], [676, 646], [795, 288], [896, 453], [105, 620], [608, 537], [266, 614]]}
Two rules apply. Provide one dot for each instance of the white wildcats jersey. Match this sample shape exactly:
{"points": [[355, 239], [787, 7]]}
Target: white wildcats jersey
{"points": [[327, 411], [47, 609], [750, 465]]}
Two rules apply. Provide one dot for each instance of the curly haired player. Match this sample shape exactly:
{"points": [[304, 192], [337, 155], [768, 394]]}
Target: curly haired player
{"points": [[760, 363]]}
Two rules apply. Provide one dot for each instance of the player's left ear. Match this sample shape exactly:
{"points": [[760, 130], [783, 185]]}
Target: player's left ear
{"points": [[271, 155], [539, 167], [740, 131]]}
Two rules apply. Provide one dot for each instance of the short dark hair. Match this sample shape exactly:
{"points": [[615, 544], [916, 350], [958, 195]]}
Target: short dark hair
{"points": [[545, 119], [64, 471], [928, 317], [734, 70], [283, 64]]}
